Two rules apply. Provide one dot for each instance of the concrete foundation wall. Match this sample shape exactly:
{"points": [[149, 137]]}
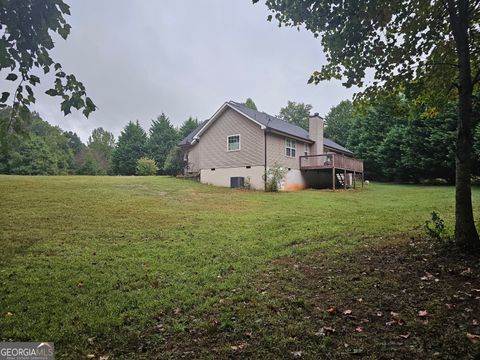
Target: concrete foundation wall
{"points": [[294, 180], [221, 176]]}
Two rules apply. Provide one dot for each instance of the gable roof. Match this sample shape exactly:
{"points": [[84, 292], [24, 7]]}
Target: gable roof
{"points": [[265, 121], [187, 140]]}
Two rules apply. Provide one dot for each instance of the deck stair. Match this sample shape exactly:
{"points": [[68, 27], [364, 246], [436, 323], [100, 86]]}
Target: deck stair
{"points": [[341, 179]]}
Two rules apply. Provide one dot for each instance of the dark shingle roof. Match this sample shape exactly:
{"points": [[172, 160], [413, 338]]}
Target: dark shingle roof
{"points": [[271, 122], [188, 139]]}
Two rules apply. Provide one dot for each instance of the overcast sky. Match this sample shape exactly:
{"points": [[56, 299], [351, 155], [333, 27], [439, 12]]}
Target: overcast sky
{"points": [[138, 59]]}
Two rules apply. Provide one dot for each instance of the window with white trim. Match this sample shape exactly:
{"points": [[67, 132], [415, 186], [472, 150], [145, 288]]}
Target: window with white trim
{"points": [[290, 147], [305, 149], [233, 143]]}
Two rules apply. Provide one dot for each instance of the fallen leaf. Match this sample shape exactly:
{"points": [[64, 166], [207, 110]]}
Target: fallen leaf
{"points": [[379, 313], [405, 336], [91, 356], [475, 339], [395, 315], [240, 346], [176, 311], [297, 354], [359, 329], [422, 313], [466, 272], [475, 322], [325, 330], [104, 357], [332, 310], [347, 312], [9, 314], [91, 340]]}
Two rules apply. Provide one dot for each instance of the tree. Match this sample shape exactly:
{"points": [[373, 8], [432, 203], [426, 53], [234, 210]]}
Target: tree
{"points": [[42, 149], [25, 45], [78, 149], [250, 103], [163, 137], [174, 163], [101, 145], [339, 122], [427, 48], [296, 113], [90, 165], [146, 167], [187, 127], [131, 146]]}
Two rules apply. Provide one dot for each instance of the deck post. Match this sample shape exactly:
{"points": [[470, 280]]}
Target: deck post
{"points": [[354, 179], [344, 178], [333, 172], [333, 178]]}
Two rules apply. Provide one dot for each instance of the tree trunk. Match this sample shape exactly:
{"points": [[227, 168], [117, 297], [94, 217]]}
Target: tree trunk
{"points": [[466, 234]]}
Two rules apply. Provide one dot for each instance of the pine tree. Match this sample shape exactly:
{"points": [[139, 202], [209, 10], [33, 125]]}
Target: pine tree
{"points": [[131, 147]]}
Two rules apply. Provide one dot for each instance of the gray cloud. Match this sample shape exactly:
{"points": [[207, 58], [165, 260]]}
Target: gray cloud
{"points": [[183, 57]]}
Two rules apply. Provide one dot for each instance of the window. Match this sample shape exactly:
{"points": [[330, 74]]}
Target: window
{"points": [[290, 147], [233, 143], [305, 149]]}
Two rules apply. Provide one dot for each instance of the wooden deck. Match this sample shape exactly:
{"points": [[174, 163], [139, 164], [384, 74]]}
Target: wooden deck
{"points": [[329, 161], [338, 164]]}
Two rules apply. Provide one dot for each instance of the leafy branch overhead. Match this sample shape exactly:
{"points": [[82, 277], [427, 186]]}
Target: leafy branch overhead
{"points": [[27, 27], [400, 41]]}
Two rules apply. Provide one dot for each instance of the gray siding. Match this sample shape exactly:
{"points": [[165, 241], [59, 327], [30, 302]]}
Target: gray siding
{"points": [[276, 152], [211, 150]]}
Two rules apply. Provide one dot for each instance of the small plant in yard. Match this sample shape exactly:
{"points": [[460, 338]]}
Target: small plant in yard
{"points": [[435, 227], [247, 184], [146, 167], [275, 175]]}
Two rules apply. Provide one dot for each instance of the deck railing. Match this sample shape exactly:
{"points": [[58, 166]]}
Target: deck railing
{"points": [[332, 160]]}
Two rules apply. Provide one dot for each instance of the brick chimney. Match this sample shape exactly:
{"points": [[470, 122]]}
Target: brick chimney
{"points": [[315, 131]]}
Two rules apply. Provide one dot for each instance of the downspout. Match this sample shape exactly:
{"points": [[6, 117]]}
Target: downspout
{"points": [[265, 164]]}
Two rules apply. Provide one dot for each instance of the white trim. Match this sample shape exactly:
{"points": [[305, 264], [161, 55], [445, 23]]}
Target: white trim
{"points": [[218, 113], [291, 147], [239, 142]]}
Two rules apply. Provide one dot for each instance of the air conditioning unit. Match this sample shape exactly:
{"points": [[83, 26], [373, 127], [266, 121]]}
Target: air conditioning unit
{"points": [[237, 182]]}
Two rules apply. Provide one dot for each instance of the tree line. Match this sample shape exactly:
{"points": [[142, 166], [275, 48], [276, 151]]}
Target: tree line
{"points": [[401, 140], [42, 149]]}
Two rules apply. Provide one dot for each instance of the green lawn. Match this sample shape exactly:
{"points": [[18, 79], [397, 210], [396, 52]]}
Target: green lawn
{"points": [[123, 266]]}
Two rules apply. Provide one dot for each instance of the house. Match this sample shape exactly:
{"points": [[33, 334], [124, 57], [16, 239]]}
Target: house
{"points": [[238, 144]]}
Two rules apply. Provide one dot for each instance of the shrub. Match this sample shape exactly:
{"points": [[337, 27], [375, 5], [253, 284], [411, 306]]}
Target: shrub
{"points": [[275, 175], [146, 167], [174, 162], [435, 227], [247, 184]]}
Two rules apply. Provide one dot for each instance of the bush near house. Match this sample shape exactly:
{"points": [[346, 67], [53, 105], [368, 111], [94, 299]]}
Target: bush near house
{"points": [[146, 167]]}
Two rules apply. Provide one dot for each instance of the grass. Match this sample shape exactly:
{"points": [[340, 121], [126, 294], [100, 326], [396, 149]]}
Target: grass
{"points": [[134, 267]]}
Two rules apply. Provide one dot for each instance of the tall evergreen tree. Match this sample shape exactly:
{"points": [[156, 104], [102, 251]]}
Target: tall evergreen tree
{"points": [[187, 127], [163, 136], [131, 146]]}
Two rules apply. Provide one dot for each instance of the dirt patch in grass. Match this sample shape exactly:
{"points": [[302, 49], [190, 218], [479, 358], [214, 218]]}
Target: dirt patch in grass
{"points": [[406, 300]]}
